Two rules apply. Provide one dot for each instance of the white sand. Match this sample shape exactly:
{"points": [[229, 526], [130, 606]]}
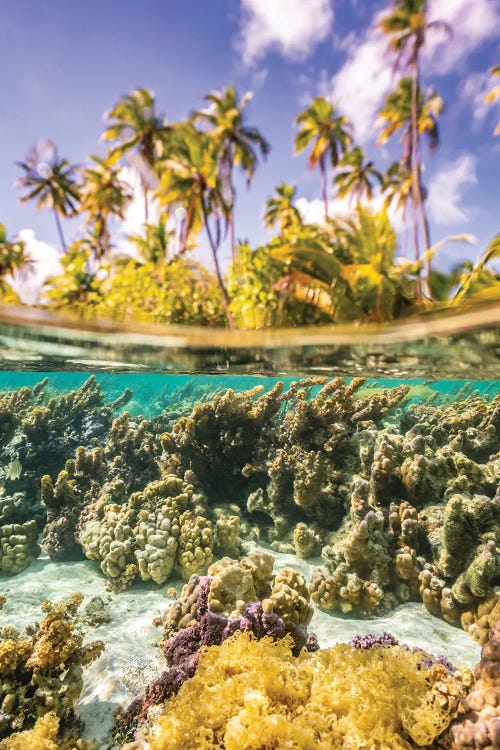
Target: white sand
{"points": [[132, 659]]}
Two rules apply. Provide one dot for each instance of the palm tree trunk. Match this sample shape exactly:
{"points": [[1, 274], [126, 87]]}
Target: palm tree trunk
{"points": [[322, 166], [232, 235], [415, 166], [232, 232], [220, 281], [427, 239], [60, 231]]}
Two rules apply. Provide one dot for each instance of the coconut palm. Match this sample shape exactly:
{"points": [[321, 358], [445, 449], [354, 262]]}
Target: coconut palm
{"points": [[357, 177], [396, 117], [190, 178], [478, 277], [51, 182], [407, 26], [239, 143], [138, 129], [154, 244], [12, 253], [328, 132], [103, 195], [280, 209]]}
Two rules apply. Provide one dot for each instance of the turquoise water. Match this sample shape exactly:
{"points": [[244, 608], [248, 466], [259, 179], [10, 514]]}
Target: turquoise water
{"points": [[368, 475]]}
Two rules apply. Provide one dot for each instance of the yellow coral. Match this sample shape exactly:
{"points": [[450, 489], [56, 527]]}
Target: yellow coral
{"points": [[338, 698], [43, 736]]}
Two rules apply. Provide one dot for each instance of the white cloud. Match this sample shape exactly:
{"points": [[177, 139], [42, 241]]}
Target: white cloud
{"points": [[44, 263], [292, 27], [446, 191], [362, 83], [313, 211], [472, 21], [135, 214]]}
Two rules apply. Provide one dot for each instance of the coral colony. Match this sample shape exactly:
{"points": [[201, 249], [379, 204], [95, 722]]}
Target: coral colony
{"points": [[401, 500]]}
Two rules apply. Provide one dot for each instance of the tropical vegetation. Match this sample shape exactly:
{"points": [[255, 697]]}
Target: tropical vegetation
{"points": [[343, 268]]}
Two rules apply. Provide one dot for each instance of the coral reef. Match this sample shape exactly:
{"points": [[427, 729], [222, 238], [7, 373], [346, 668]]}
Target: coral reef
{"points": [[202, 620], [337, 698], [41, 671], [45, 736], [40, 432], [402, 499], [18, 534], [478, 726], [148, 533]]}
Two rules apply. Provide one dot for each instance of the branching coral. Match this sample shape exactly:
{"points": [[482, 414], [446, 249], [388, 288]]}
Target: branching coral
{"points": [[338, 698], [41, 671]]}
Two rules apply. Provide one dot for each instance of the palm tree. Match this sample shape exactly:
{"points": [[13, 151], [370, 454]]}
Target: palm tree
{"points": [[190, 178], [357, 177], [154, 245], [78, 282], [479, 277], [347, 272], [396, 116], [12, 253], [51, 182], [280, 209], [406, 25], [494, 94], [137, 128], [103, 195], [239, 144], [328, 131]]}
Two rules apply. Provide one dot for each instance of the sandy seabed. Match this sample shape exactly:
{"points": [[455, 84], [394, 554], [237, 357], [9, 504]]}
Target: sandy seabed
{"points": [[132, 659]]}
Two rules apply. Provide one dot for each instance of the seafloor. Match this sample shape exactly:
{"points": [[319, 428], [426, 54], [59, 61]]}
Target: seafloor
{"points": [[379, 501]]}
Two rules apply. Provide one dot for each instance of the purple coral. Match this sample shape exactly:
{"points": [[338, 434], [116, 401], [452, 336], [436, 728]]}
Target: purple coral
{"points": [[371, 639], [182, 649]]}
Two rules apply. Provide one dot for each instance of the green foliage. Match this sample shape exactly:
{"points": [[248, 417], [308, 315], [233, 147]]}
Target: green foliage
{"points": [[12, 253], [345, 270], [12, 258], [178, 292], [280, 209], [77, 289], [153, 245], [348, 272], [256, 299]]}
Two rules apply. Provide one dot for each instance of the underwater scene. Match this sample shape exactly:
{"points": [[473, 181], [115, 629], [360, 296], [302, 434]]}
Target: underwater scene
{"points": [[247, 561]]}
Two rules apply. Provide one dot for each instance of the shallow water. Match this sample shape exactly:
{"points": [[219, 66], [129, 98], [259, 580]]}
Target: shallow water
{"points": [[341, 464]]}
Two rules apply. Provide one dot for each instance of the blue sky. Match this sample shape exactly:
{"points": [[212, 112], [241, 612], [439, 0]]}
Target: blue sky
{"points": [[62, 64]]}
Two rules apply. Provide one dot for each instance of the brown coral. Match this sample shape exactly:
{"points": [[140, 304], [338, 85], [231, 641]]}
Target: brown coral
{"points": [[479, 727]]}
